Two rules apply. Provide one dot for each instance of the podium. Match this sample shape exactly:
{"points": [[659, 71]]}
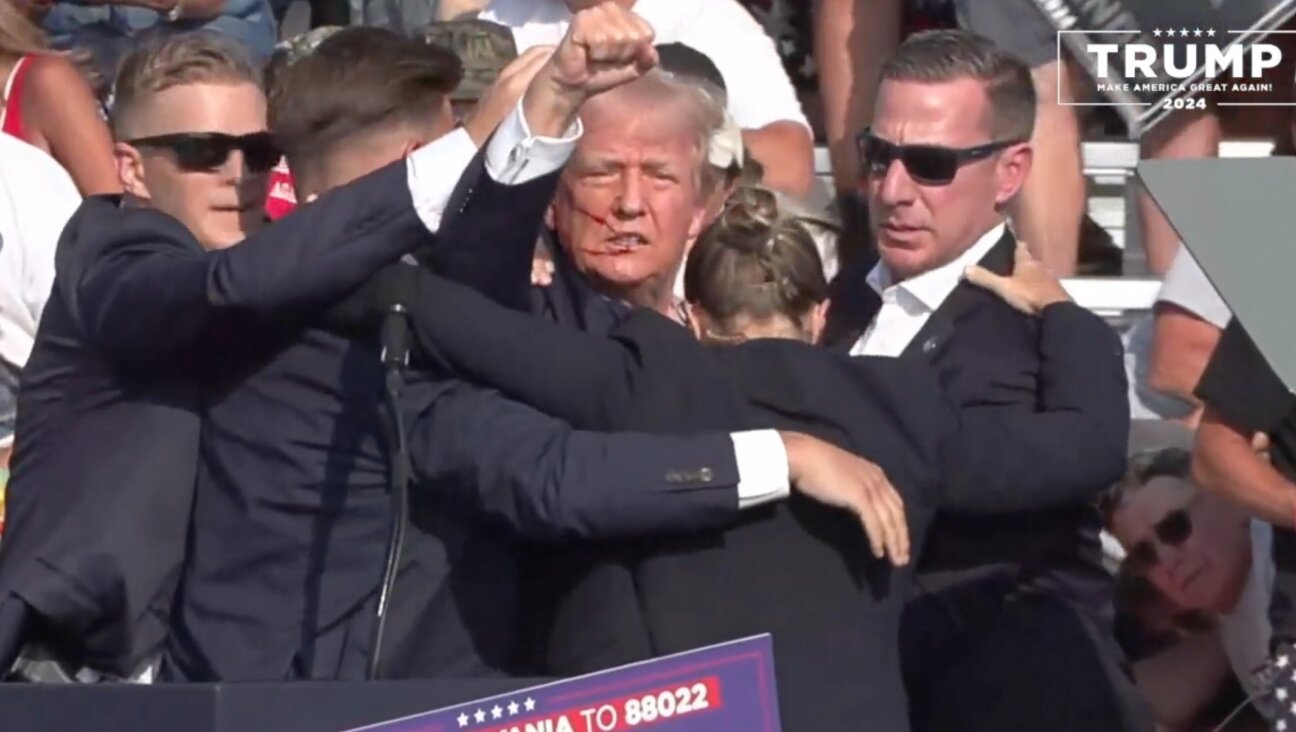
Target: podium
{"points": [[301, 706]]}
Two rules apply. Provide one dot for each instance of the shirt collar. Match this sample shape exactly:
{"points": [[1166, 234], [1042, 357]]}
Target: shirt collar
{"points": [[932, 287]]}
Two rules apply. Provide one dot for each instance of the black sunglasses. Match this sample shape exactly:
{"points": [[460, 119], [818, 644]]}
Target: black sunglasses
{"points": [[928, 164], [199, 151], [1172, 530]]}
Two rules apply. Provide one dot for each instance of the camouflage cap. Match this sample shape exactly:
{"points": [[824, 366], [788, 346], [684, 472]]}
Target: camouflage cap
{"points": [[298, 46], [485, 48]]}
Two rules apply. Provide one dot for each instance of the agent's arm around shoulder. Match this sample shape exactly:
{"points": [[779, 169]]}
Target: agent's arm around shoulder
{"points": [[1073, 445], [143, 287], [548, 481]]}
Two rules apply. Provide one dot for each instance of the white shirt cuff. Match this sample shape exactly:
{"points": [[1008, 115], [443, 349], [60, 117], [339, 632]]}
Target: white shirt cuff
{"points": [[515, 156], [762, 467], [434, 171]]}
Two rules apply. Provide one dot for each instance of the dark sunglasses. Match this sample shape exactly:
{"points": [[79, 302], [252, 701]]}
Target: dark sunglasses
{"points": [[1172, 530], [199, 151], [933, 165]]}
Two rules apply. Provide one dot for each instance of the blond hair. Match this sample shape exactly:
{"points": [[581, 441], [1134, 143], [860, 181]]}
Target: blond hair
{"points": [[693, 100], [163, 63], [19, 36]]}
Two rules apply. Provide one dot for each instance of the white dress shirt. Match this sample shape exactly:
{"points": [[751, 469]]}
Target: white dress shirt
{"points": [[515, 156], [760, 92], [907, 305]]}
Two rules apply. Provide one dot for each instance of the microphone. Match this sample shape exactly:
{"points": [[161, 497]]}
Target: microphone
{"points": [[397, 288], [396, 337], [395, 291]]}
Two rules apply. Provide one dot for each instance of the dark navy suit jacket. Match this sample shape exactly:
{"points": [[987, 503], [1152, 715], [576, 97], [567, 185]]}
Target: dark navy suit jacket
{"points": [[109, 408], [800, 571], [1043, 530], [292, 502]]}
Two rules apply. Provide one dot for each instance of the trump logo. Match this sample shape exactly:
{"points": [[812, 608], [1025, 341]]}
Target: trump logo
{"points": [[1176, 68]]}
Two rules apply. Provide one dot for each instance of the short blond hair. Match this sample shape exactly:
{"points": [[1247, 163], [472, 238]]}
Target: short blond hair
{"points": [[166, 62]]}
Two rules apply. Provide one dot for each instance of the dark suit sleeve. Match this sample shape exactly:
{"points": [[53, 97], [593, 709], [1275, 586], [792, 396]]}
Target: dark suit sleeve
{"points": [[548, 481], [151, 292], [488, 237], [1242, 387], [581, 378], [1069, 450]]}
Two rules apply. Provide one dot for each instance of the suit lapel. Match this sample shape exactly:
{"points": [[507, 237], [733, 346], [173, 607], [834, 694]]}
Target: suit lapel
{"points": [[854, 305], [936, 332]]}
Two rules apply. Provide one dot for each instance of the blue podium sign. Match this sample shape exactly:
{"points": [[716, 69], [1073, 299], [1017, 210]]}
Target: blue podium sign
{"points": [[725, 687]]}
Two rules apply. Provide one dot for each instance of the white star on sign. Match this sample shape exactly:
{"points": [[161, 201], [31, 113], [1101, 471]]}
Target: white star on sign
{"points": [[529, 704], [1210, 32], [496, 713], [1156, 32], [480, 716], [1293, 708], [1183, 32], [1282, 661], [1281, 693], [1280, 726], [463, 720], [513, 708]]}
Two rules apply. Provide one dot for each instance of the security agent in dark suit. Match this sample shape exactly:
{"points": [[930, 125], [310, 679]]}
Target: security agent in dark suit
{"points": [[158, 292], [800, 572], [1012, 626], [309, 416]]}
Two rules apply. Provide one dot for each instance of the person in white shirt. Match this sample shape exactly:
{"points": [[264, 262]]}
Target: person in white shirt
{"points": [[1188, 320], [37, 197], [1202, 552], [761, 97]]}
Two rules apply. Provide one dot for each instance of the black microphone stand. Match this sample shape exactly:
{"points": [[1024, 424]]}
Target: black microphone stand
{"points": [[395, 358]]}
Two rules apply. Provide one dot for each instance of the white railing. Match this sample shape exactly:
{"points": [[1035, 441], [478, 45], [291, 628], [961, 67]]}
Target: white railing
{"points": [[1113, 296]]}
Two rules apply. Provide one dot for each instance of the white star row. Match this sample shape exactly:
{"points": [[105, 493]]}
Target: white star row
{"points": [[1184, 32], [496, 712]]}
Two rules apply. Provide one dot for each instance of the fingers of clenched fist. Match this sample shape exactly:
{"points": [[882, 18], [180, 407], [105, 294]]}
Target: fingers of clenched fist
{"points": [[605, 46]]}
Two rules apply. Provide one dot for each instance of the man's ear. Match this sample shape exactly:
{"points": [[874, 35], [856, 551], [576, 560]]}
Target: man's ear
{"points": [[700, 220], [1013, 166], [130, 170], [550, 218]]}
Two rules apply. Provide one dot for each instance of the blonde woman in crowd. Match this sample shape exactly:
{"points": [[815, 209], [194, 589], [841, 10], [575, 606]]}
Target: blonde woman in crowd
{"points": [[48, 104]]}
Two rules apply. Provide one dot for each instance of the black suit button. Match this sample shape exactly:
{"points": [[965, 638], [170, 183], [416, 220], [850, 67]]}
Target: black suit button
{"points": [[705, 475], [929, 345]]}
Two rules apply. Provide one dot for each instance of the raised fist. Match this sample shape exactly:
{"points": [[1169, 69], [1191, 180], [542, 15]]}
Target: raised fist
{"points": [[605, 46]]}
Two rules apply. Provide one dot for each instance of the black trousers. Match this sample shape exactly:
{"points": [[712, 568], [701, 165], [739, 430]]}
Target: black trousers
{"points": [[981, 656]]}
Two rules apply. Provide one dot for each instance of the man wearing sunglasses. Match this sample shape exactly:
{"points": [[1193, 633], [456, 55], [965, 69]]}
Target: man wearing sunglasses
{"points": [[1205, 555], [947, 153], [156, 312]]}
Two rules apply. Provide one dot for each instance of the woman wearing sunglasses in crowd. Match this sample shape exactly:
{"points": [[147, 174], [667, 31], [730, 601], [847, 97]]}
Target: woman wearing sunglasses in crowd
{"points": [[756, 295], [1204, 556], [48, 103]]}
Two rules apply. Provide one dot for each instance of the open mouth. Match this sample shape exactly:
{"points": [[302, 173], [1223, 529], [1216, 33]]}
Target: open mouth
{"points": [[624, 242]]}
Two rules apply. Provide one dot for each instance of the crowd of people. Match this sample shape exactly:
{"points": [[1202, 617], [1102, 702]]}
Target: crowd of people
{"points": [[561, 274]]}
